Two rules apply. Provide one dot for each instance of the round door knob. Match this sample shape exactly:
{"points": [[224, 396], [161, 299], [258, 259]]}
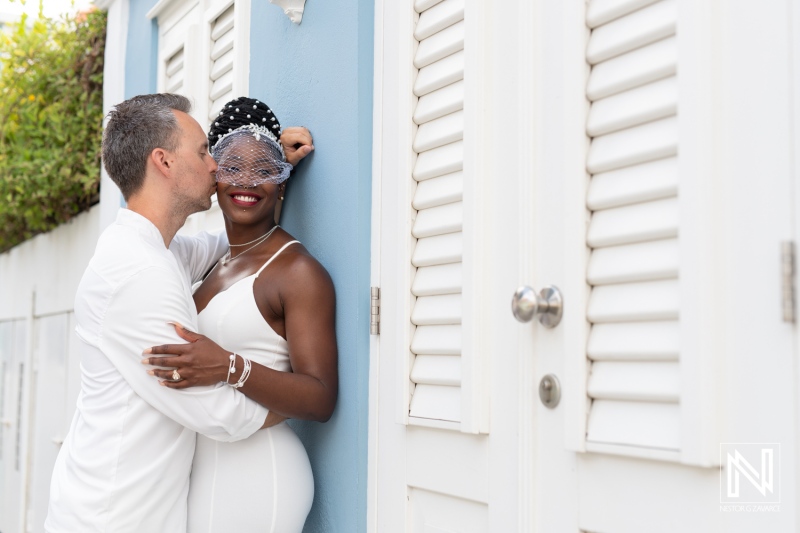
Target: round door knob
{"points": [[548, 305]]}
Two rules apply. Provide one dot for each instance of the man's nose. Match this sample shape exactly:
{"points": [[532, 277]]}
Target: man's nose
{"points": [[214, 166]]}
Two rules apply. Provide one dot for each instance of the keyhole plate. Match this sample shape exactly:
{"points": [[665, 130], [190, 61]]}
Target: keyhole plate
{"points": [[550, 391]]}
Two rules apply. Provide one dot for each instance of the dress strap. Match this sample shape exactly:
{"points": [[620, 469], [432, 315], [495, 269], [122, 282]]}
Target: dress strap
{"points": [[276, 254]]}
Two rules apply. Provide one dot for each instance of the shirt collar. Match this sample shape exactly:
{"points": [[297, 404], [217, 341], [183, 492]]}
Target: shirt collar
{"points": [[132, 219]]}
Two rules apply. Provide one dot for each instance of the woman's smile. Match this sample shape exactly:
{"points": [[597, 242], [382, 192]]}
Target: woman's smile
{"points": [[245, 199]]}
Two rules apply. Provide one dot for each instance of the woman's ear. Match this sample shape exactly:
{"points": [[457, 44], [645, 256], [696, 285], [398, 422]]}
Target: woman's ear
{"points": [[279, 204]]}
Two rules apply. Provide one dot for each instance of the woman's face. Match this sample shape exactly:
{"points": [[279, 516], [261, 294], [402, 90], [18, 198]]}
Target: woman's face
{"points": [[244, 161]]}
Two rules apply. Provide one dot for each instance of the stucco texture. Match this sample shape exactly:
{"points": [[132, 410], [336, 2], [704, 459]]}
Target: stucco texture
{"points": [[319, 74]]}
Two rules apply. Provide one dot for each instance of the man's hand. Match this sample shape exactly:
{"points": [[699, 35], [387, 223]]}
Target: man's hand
{"points": [[199, 362], [297, 143]]}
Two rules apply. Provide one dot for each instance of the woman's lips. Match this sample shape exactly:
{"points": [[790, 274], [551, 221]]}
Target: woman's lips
{"points": [[245, 199]]}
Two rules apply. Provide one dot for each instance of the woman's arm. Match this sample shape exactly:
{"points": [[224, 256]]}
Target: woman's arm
{"points": [[308, 392]]}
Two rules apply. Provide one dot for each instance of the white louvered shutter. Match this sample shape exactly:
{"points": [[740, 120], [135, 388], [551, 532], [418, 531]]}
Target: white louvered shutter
{"points": [[436, 315], [174, 72], [633, 234], [221, 73], [177, 54]]}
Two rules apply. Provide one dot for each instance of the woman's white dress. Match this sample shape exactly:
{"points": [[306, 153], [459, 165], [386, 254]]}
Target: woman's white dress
{"points": [[262, 483]]}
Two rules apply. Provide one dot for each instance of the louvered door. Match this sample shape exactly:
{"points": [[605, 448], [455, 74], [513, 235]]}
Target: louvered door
{"points": [[633, 233], [437, 256]]}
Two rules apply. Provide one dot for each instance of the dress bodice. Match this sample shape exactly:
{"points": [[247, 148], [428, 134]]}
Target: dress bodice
{"points": [[232, 320]]}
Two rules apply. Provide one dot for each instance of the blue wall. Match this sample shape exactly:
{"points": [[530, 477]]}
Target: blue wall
{"points": [[319, 75], [141, 61]]}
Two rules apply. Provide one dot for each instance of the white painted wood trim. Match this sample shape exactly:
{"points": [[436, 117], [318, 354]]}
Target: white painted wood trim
{"points": [[433, 423], [113, 93], [399, 159], [393, 160], [701, 101], [521, 505], [161, 7], [640, 452], [574, 327], [794, 30], [478, 228], [241, 44], [373, 416]]}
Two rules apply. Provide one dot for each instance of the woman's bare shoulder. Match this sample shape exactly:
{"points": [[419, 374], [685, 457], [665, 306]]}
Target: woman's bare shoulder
{"points": [[299, 271]]}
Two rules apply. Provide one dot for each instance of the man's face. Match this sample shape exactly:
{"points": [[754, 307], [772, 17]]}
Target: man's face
{"points": [[195, 168]]}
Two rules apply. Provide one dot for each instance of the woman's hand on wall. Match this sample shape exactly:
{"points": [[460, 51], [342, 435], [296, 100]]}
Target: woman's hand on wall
{"points": [[297, 143]]}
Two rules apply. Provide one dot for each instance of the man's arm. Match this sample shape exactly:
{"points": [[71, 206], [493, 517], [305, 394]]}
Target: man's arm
{"points": [[198, 253], [137, 317], [310, 390]]}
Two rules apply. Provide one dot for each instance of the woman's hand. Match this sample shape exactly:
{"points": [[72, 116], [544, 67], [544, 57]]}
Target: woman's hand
{"points": [[200, 362], [297, 143]]}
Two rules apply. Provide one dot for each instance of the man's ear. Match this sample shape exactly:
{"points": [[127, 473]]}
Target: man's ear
{"points": [[163, 161]]}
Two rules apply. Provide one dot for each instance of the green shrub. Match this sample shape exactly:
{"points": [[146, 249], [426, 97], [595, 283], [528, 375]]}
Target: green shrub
{"points": [[51, 114]]}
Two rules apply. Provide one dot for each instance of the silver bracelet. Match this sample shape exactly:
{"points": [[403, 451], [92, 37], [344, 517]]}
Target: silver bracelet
{"points": [[245, 373], [231, 367]]}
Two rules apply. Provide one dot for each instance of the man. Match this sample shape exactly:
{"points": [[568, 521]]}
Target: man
{"points": [[124, 466]]}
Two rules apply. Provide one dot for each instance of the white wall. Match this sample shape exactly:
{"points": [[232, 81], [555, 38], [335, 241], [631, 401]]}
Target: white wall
{"points": [[39, 367]]}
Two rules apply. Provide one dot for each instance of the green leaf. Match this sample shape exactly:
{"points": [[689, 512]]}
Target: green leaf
{"points": [[50, 123]]}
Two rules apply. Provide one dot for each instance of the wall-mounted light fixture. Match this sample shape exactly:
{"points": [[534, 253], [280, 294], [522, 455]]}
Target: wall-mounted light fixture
{"points": [[291, 8]]}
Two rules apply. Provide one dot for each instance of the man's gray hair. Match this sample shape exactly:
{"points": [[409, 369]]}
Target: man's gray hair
{"points": [[135, 128]]}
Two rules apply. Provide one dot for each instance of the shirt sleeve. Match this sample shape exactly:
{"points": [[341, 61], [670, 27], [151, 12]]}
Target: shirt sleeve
{"points": [[198, 253], [137, 318]]}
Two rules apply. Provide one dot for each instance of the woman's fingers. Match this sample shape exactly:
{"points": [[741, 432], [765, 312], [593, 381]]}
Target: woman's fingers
{"points": [[201, 359], [182, 384], [169, 362], [167, 374], [185, 334], [297, 143], [294, 135], [169, 349], [167, 377]]}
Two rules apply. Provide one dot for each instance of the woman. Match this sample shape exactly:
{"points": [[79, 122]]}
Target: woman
{"points": [[271, 305]]}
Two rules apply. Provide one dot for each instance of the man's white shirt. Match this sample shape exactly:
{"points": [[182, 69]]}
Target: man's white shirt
{"points": [[125, 463]]}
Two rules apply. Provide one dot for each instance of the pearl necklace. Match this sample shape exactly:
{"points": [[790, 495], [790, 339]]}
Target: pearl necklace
{"points": [[227, 257]]}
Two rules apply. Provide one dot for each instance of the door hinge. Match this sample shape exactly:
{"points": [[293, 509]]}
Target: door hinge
{"points": [[375, 311], [788, 267]]}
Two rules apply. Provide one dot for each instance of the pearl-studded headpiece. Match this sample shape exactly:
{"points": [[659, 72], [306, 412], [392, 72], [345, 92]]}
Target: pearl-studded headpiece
{"points": [[241, 112], [244, 141]]}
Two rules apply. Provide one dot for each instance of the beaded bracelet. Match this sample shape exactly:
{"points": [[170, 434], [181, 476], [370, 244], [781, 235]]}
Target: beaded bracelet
{"points": [[231, 368], [245, 374]]}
